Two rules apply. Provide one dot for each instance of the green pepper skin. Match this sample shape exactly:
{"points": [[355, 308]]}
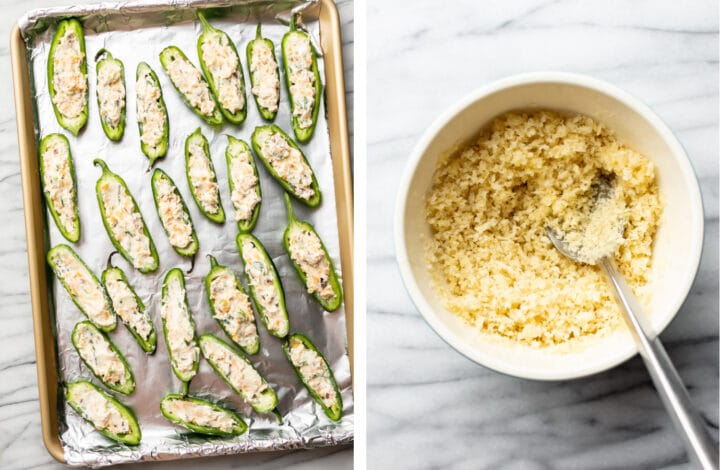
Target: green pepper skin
{"points": [[271, 129], [109, 175], [159, 151], [215, 270], [177, 273], [72, 234], [239, 428], [303, 135], [113, 133], [72, 253], [191, 247], [150, 344], [132, 438], [283, 331], [78, 122], [234, 147], [264, 112], [129, 377], [219, 216], [268, 393], [334, 413], [238, 116], [334, 303], [170, 54]]}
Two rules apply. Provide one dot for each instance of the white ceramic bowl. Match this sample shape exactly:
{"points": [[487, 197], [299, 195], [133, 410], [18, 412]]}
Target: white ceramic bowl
{"points": [[679, 239]]}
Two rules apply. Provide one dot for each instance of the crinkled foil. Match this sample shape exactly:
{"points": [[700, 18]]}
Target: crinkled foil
{"points": [[136, 32]]}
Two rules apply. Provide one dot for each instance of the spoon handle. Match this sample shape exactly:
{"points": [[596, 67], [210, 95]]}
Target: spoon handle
{"points": [[700, 446]]}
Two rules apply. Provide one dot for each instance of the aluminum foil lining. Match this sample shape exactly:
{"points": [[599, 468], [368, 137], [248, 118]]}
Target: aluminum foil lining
{"points": [[135, 32]]}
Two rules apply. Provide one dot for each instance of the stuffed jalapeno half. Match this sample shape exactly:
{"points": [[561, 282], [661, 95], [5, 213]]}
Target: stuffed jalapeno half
{"points": [[239, 373], [315, 374], [230, 307], [67, 75], [220, 62], [302, 80], [265, 286], [111, 94], [190, 83], [152, 116], [130, 308], [286, 163], [311, 261], [244, 183], [201, 177], [264, 75], [179, 328], [57, 173], [174, 214], [84, 288], [103, 359], [201, 416], [106, 414], [123, 221]]}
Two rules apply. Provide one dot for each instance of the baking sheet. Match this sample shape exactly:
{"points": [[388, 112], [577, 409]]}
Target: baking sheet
{"points": [[113, 26]]}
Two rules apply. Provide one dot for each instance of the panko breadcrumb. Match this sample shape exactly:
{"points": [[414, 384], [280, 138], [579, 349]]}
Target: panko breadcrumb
{"points": [[491, 261]]}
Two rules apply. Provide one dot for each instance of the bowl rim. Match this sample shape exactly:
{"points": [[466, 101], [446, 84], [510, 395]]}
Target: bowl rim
{"points": [[564, 78]]}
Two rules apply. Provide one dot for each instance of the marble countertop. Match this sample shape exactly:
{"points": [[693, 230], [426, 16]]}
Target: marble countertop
{"points": [[429, 407], [21, 443]]}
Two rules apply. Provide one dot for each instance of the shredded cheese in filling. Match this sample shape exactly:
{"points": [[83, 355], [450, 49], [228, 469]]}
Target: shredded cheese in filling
{"points": [[262, 279], [222, 63], [126, 223], [58, 182], [306, 250], [202, 177], [289, 164], [244, 185], [150, 113], [314, 370], [298, 54], [239, 373], [83, 287], [99, 410], [233, 309], [68, 79], [180, 333], [199, 414], [188, 79], [96, 351], [111, 92], [264, 70], [172, 214], [126, 306]]}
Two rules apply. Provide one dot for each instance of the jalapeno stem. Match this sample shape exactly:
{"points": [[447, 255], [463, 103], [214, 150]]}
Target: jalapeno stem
{"points": [[101, 52], [205, 24], [293, 26], [185, 387], [277, 414], [192, 264], [258, 31], [109, 260], [101, 164], [290, 211], [213, 261]]}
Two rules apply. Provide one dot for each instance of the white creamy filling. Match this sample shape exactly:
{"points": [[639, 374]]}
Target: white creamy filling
{"points": [[261, 278], [233, 309], [98, 409], [68, 80], [223, 65], [81, 285], [150, 113], [302, 79], [199, 414], [244, 181], [188, 79], [202, 177], [264, 70], [288, 162], [180, 334], [172, 214], [126, 306], [314, 371], [96, 351], [126, 223], [241, 375], [58, 183], [306, 250], [111, 92]]}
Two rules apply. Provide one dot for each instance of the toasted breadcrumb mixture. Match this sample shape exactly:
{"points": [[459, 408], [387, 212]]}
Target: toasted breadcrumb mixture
{"points": [[490, 258]]}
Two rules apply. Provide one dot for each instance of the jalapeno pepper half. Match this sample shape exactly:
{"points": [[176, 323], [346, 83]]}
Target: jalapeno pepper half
{"points": [[238, 153], [149, 109], [197, 141], [113, 128], [160, 178], [166, 408], [269, 111], [58, 142]]}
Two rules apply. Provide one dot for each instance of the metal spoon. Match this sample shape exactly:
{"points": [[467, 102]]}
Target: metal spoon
{"points": [[700, 446]]}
